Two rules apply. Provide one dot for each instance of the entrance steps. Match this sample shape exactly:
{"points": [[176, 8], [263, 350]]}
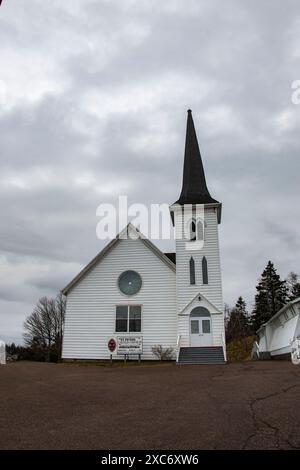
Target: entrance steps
{"points": [[201, 355]]}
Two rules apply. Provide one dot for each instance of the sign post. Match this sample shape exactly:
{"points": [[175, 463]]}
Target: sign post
{"points": [[111, 347]]}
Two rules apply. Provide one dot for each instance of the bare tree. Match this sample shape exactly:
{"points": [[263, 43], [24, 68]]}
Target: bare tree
{"points": [[44, 326], [293, 285], [60, 312]]}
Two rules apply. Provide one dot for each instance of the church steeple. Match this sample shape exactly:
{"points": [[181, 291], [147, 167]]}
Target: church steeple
{"points": [[195, 217], [194, 189]]}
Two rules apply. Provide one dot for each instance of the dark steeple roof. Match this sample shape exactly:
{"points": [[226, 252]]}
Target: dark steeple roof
{"points": [[194, 189]]}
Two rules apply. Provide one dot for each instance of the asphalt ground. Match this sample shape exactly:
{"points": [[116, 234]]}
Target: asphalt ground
{"points": [[251, 405]]}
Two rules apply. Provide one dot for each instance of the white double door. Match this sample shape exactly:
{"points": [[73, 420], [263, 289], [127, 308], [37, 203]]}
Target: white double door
{"points": [[200, 331]]}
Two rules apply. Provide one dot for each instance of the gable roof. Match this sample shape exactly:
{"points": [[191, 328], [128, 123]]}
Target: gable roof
{"points": [[110, 246], [203, 299]]}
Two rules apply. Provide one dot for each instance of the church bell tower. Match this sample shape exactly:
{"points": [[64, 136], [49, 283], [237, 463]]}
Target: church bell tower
{"points": [[196, 216]]}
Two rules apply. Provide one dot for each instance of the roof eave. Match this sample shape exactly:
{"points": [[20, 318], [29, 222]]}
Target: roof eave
{"points": [[217, 205], [282, 310]]}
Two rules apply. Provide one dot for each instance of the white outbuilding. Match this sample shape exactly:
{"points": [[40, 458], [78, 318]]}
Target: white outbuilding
{"points": [[280, 336], [2, 353]]}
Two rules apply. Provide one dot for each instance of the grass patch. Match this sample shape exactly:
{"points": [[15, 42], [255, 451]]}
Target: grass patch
{"points": [[240, 349]]}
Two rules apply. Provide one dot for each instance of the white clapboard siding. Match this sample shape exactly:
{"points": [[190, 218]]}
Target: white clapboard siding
{"points": [[217, 329], [277, 334], [282, 336], [211, 291], [91, 303]]}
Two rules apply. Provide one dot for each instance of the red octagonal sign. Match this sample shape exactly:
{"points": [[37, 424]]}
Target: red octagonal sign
{"points": [[112, 344]]}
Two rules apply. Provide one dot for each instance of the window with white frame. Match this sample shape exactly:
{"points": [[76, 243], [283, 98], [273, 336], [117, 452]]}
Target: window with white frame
{"points": [[128, 318], [193, 234], [196, 230], [192, 271], [200, 230], [204, 270]]}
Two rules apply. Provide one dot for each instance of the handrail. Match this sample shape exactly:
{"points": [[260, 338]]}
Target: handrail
{"points": [[224, 347], [255, 350], [178, 347]]}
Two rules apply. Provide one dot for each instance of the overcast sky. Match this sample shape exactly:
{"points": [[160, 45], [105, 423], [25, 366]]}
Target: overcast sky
{"points": [[93, 100]]}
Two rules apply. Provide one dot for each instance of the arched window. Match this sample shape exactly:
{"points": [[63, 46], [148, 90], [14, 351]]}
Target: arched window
{"points": [[200, 312], [204, 270], [196, 230], [192, 230], [192, 271], [200, 231]]}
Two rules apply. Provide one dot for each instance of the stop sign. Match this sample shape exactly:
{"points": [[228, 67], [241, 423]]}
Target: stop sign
{"points": [[112, 344]]}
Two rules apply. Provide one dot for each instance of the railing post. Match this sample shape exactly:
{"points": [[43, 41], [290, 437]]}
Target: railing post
{"points": [[255, 350], [178, 347], [224, 347]]}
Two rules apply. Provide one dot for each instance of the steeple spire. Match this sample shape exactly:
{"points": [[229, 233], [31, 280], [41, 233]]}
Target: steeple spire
{"points": [[194, 189]]}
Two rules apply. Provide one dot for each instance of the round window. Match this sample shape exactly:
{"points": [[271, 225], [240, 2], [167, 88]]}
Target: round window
{"points": [[130, 282]]}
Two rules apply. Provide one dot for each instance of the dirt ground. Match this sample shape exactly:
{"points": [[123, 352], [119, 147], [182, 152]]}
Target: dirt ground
{"points": [[236, 406]]}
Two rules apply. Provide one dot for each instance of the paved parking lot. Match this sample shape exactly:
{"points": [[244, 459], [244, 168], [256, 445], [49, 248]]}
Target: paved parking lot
{"points": [[236, 406]]}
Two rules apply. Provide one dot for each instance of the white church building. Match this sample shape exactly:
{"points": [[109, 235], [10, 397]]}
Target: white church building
{"points": [[132, 297]]}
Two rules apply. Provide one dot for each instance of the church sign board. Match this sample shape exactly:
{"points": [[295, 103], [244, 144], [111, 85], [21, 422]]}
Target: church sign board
{"points": [[130, 345]]}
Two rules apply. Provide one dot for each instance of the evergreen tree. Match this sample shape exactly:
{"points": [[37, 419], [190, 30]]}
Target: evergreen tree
{"points": [[272, 295], [238, 323], [293, 286]]}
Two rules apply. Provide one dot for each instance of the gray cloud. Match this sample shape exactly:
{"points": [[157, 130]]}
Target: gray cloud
{"points": [[93, 99]]}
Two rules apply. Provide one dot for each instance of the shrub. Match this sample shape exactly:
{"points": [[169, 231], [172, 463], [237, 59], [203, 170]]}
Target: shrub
{"points": [[240, 349], [164, 354]]}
